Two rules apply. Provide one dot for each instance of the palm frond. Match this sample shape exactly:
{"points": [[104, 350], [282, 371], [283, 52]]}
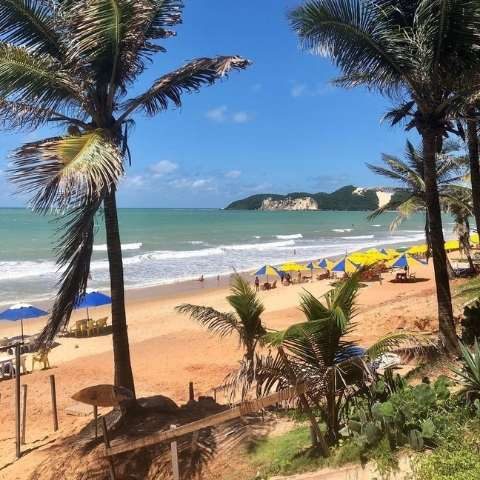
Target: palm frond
{"points": [[30, 24], [36, 79], [74, 250], [397, 340], [222, 324], [189, 78], [58, 170], [351, 34], [399, 114], [18, 115]]}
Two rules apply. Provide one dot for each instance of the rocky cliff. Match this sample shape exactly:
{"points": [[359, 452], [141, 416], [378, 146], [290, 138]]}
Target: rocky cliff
{"points": [[289, 203]]}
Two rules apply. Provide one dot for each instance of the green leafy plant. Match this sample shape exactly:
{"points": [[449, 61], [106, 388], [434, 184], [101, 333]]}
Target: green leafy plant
{"points": [[469, 373]]}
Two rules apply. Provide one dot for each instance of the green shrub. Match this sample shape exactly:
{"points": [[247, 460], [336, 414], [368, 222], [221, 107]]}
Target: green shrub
{"points": [[461, 463]]}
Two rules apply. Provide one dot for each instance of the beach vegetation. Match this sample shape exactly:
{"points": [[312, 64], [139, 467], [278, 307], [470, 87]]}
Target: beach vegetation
{"points": [[419, 56], [73, 64], [468, 375], [245, 322], [322, 355]]}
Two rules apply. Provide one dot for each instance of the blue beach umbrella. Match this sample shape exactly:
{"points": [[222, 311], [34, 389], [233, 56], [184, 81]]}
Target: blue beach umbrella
{"points": [[21, 312], [92, 299]]}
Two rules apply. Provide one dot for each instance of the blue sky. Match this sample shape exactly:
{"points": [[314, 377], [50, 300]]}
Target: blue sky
{"points": [[277, 127]]}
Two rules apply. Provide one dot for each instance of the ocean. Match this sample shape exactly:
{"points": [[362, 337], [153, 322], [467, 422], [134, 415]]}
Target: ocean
{"points": [[163, 246]]}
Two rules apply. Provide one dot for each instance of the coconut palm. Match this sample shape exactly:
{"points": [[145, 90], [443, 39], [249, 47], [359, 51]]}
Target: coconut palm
{"points": [[410, 197], [322, 355], [245, 322], [415, 53], [71, 63]]}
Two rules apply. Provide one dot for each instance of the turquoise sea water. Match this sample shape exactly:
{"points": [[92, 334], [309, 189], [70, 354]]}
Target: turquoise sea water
{"points": [[169, 245]]}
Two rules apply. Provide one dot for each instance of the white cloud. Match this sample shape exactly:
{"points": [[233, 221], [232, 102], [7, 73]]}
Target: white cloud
{"points": [[241, 117], [298, 90], [233, 174], [303, 89], [222, 115], [193, 183], [218, 114], [162, 168], [135, 181]]}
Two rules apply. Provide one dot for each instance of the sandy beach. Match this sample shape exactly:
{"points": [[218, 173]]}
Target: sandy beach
{"points": [[168, 350]]}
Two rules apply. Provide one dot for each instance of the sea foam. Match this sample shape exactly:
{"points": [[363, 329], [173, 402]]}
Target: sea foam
{"points": [[125, 246]]}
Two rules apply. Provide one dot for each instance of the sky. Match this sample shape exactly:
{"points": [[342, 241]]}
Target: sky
{"points": [[277, 127]]}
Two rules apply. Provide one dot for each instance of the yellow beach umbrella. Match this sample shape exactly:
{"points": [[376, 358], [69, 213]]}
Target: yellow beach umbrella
{"points": [[474, 238], [293, 267], [417, 250], [451, 245]]}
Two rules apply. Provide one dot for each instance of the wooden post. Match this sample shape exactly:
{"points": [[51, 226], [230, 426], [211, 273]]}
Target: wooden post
{"points": [[17, 401], [24, 414], [174, 451], [53, 392], [215, 394], [106, 440], [191, 392], [95, 419]]}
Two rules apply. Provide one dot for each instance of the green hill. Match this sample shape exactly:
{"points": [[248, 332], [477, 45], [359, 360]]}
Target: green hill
{"points": [[342, 199]]}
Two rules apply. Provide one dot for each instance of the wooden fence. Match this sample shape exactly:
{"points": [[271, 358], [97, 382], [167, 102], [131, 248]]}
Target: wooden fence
{"points": [[242, 409]]}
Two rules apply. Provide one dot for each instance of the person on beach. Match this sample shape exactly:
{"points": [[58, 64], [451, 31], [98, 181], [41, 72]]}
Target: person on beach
{"points": [[257, 284], [201, 279]]}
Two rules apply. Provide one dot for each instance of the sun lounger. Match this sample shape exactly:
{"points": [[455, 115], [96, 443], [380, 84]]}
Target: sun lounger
{"points": [[41, 357]]}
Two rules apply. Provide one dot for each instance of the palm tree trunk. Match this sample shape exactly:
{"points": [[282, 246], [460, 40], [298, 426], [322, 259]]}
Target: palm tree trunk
{"points": [[472, 137], [121, 350], [448, 336], [319, 437]]}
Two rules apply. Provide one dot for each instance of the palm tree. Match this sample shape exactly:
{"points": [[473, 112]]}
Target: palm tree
{"points": [[71, 63], [245, 323], [410, 198], [323, 356], [416, 52]]}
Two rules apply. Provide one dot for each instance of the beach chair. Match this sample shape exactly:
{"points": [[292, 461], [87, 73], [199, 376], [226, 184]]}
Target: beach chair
{"points": [[23, 366], [80, 328], [91, 327], [41, 357], [101, 324]]}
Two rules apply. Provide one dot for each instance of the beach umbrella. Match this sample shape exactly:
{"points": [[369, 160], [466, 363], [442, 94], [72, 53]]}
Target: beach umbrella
{"points": [[451, 245], [405, 260], [21, 312], [417, 250], [92, 298], [325, 263], [267, 270], [293, 267], [345, 265]]}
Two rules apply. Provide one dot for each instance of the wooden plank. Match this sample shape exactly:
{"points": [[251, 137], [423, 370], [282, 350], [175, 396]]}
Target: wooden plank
{"points": [[53, 392], [18, 452], [103, 395], [174, 453], [245, 408], [24, 414]]}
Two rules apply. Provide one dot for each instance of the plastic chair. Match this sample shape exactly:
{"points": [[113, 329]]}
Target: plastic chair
{"points": [[101, 324], [41, 357], [91, 327]]}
